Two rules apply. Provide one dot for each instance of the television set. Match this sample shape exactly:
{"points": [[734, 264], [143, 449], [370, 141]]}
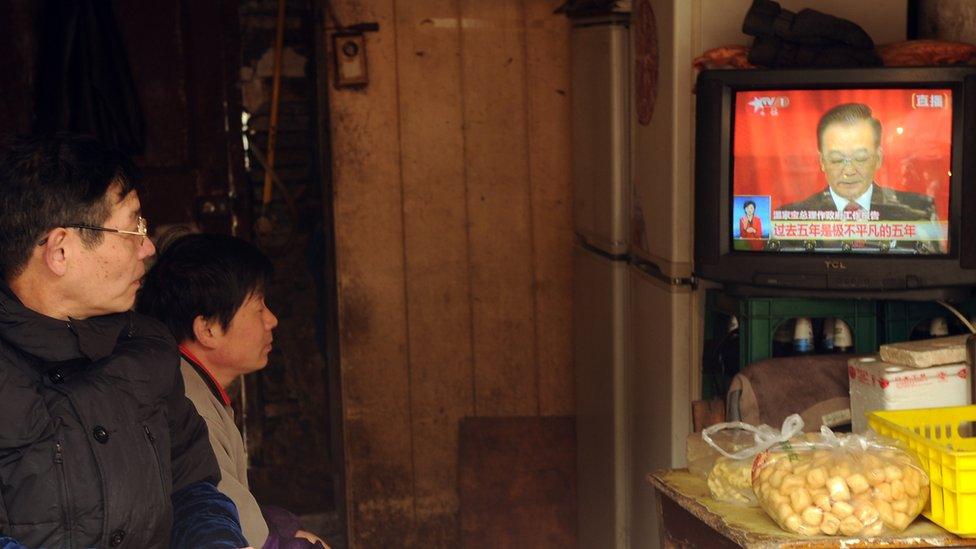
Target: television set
{"points": [[837, 182]]}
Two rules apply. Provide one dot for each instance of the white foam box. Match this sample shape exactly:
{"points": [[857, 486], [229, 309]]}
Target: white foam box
{"points": [[923, 353], [879, 385]]}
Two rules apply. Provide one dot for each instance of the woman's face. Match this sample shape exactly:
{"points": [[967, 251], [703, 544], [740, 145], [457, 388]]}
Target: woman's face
{"points": [[750, 209]]}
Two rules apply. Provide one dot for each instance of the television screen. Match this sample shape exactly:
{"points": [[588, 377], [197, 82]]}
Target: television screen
{"points": [[858, 171]]}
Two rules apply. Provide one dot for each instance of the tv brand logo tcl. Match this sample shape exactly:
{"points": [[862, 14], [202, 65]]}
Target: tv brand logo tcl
{"points": [[772, 105], [834, 264]]}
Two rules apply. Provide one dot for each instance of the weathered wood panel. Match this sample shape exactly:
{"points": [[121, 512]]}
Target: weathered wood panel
{"points": [[453, 241], [547, 74], [518, 482], [373, 328], [436, 256], [499, 207]]}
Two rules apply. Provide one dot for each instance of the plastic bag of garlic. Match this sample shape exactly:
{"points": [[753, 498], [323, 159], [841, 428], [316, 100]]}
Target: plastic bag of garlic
{"points": [[838, 484], [729, 476]]}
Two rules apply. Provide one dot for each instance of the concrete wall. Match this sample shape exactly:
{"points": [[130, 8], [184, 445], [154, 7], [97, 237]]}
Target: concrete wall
{"points": [[953, 20]]}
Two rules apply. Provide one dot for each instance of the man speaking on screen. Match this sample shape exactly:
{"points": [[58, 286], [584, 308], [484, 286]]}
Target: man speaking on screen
{"points": [[849, 142]]}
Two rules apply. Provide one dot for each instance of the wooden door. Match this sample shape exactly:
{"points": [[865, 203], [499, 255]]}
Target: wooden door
{"points": [[184, 58]]}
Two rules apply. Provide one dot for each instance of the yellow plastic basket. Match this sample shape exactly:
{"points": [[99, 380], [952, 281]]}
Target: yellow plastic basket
{"points": [[943, 439]]}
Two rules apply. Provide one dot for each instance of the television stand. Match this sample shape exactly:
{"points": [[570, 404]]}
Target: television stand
{"points": [[955, 293]]}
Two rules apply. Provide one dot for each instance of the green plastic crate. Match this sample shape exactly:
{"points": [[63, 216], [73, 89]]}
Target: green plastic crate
{"points": [[899, 318], [760, 317]]}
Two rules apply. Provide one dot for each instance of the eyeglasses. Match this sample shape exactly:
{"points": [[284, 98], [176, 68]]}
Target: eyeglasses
{"points": [[837, 160], [142, 229]]}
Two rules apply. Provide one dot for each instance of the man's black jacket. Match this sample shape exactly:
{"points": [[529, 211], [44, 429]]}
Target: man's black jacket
{"points": [[95, 433]]}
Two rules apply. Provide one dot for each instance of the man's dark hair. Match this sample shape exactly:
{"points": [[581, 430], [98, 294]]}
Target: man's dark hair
{"points": [[848, 113], [208, 275], [53, 181]]}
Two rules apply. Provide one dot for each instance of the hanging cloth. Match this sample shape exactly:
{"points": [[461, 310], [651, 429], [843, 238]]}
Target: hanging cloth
{"points": [[84, 83]]}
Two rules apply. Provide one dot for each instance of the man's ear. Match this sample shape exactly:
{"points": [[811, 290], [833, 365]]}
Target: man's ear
{"points": [[55, 252], [207, 332]]}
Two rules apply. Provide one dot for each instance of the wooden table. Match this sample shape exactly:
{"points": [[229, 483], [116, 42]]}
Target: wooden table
{"points": [[691, 518]]}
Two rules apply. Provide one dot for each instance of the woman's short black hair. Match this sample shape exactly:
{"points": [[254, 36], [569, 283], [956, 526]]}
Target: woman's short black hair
{"points": [[747, 203], [208, 275], [51, 181]]}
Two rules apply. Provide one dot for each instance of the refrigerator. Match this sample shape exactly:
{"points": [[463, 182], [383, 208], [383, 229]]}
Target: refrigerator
{"points": [[601, 268], [637, 308], [634, 301]]}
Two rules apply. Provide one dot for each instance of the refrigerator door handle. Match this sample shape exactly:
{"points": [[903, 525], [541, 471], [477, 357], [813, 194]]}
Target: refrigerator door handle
{"points": [[654, 271]]}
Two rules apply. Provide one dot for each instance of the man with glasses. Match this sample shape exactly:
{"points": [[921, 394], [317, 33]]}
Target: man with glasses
{"points": [[849, 142], [98, 445]]}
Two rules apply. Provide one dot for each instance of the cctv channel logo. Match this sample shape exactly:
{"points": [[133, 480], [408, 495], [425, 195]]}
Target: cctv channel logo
{"points": [[768, 105]]}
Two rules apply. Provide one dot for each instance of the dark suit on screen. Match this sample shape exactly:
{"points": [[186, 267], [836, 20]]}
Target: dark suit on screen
{"points": [[890, 204]]}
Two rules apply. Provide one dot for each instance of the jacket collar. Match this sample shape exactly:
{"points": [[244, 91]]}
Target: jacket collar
{"points": [[53, 340], [208, 378]]}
